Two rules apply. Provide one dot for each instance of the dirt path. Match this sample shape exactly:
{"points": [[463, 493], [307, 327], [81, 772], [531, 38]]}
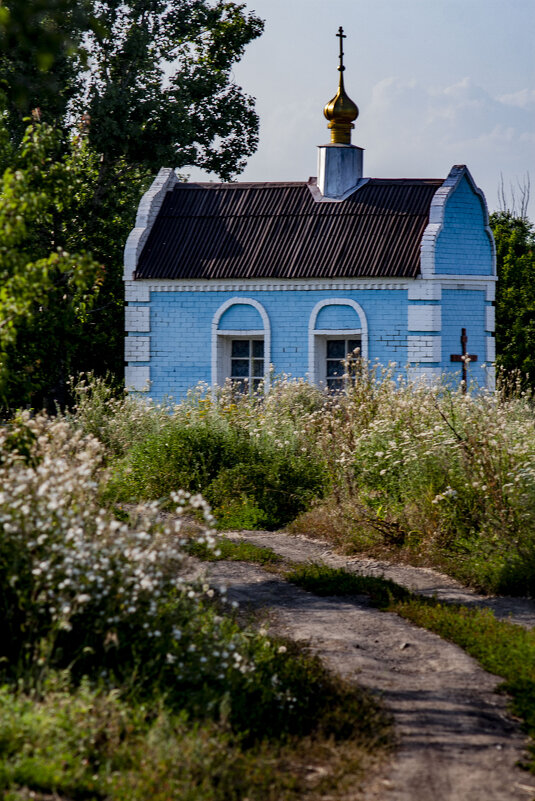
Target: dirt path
{"points": [[422, 580], [456, 740]]}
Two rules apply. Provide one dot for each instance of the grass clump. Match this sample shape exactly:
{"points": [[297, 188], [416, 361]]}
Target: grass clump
{"points": [[88, 743], [324, 580], [234, 551]]}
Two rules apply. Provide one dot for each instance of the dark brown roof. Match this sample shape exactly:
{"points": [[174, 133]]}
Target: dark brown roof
{"points": [[278, 230]]}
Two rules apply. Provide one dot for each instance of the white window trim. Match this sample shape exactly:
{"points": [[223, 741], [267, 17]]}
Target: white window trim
{"points": [[317, 336], [221, 339]]}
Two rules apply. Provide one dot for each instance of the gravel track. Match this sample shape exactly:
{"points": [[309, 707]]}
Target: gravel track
{"points": [[457, 741]]}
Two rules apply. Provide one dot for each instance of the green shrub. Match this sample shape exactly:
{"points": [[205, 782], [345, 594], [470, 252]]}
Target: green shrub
{"points": [[251, 483]]}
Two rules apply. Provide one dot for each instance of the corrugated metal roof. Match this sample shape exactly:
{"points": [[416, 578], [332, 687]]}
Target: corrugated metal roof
{"points": [[278, 230]]}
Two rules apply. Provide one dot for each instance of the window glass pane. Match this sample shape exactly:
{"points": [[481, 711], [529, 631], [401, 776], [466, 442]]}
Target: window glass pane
{"points": [[240, 347], [258, 367], [240, 368], [258, 348], [256, 384], [336, 349], [334, 369], [352, 344]]}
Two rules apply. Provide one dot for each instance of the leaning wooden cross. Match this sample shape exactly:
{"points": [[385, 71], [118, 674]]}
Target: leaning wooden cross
{"points": [[463, 357]]}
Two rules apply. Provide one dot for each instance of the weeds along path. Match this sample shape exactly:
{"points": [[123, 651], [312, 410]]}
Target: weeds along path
{"points": [[456, 739], [422, 580]]}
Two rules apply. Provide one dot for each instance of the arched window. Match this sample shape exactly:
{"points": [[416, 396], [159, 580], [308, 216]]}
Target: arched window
{"points": [[241, 344], [337, 327]]}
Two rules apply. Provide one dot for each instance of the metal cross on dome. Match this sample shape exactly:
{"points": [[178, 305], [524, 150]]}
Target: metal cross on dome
{"points": [[463, 357], [341, 35]]}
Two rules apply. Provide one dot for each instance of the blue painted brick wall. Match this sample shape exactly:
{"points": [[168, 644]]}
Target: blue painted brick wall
{"points": [[464, 309], [332, 317], [240, 317], [181, 330], [463, 245]]}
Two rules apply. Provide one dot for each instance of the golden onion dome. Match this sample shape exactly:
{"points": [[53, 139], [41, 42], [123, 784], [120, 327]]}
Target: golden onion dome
{"points": [[341, 110]]}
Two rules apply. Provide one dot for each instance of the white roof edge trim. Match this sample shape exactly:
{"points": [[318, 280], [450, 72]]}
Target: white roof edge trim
{"points": [[147, 211]]}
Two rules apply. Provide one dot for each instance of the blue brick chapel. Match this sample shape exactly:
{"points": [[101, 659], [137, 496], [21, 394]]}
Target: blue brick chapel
{"points": [[228, 280]]}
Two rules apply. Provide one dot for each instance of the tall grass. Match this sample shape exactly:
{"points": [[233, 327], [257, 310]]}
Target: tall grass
{"points": [[425, 472]]}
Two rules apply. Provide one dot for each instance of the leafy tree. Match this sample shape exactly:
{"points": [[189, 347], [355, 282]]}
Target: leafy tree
{"points": [[515, 295], [45, 292], [159, 90], [157, 84], [129, 86], [100, 228], [41, 56]]}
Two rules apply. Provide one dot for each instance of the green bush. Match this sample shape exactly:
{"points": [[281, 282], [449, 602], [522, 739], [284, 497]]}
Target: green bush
{"points": [[250, 483]]}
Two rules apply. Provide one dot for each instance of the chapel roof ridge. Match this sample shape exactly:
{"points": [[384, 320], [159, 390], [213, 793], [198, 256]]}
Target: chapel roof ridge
{"points": [[311, 180]]}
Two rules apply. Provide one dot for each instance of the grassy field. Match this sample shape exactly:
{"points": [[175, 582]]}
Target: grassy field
{"points": [[123, 677]]}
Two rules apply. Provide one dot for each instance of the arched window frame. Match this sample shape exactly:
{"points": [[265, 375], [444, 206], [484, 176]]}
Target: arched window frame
{"points": [[317, 335], [221, 338]]}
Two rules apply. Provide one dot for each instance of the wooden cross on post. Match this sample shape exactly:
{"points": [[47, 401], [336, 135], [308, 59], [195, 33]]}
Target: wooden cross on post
{"points": [[463, 357]]}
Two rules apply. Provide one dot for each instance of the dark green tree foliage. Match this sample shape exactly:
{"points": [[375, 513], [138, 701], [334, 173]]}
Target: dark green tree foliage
{"points": [[46, 292], [41, 56], [515, 295], [129, 87], [160, 91]]}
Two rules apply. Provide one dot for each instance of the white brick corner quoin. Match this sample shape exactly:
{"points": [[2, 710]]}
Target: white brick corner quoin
{"points": [[490, 349], [137, 349], [146, 215], [424, 317], [137, 378], [424, 349], [137, 318]]}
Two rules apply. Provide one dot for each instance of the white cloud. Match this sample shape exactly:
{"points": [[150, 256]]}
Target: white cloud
{"points": [[523, 98], [409, 128]]}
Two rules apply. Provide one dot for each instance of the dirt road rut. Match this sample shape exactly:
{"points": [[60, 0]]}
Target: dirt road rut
{"points": [[457, 741]]}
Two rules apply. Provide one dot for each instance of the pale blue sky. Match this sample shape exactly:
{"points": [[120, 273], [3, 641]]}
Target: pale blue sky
{"points": [[438, 82]]}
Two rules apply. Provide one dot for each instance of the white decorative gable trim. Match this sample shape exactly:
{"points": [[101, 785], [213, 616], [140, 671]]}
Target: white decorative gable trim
{"points": [[436, 218], [147, 212]]}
